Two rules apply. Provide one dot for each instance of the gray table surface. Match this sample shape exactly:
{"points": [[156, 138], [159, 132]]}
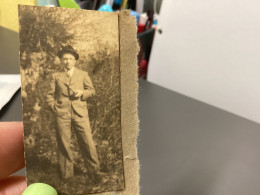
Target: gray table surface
{"points": [[185, 147]]}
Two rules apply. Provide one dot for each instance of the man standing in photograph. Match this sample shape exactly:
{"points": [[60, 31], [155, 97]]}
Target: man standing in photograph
{"points": [[67, 97]]}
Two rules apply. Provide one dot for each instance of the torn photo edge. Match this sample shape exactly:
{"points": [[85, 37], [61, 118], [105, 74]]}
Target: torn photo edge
{"points": [[129, 102]]}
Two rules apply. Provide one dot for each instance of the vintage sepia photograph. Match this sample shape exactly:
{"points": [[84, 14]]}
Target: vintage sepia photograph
{"points": [[71, 95]]}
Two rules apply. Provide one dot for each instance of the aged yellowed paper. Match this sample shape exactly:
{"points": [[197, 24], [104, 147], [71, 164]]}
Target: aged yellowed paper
{"points": [[79, 92]]}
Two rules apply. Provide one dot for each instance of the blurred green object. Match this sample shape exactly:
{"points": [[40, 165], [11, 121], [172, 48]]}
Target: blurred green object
{"points": [[40, 189], [68, 4], [49, 3]]}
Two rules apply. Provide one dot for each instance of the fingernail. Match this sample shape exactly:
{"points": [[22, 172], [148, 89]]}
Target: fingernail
{"points": [[40, 189]]}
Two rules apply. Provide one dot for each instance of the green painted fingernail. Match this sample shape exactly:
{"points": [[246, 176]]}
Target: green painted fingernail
{"points": [[40, 189]]}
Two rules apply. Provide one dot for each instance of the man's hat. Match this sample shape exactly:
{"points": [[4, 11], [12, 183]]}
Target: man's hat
{"points": [[68, 49]]}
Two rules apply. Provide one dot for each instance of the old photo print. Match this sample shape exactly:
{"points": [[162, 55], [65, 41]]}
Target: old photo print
{"points": [[70, 71]]}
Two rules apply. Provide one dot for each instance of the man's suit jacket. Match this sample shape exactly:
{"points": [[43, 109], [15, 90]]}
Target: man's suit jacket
{"points": [[60, 96]]}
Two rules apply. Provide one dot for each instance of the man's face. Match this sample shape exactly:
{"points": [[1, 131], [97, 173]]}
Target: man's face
{"points": [[68, 60]]}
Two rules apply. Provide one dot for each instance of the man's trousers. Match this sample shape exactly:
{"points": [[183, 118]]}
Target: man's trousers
{"points": [[67, 123]]}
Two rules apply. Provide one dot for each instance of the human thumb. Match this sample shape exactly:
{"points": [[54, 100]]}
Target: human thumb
{"points": [[40, 189]]}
